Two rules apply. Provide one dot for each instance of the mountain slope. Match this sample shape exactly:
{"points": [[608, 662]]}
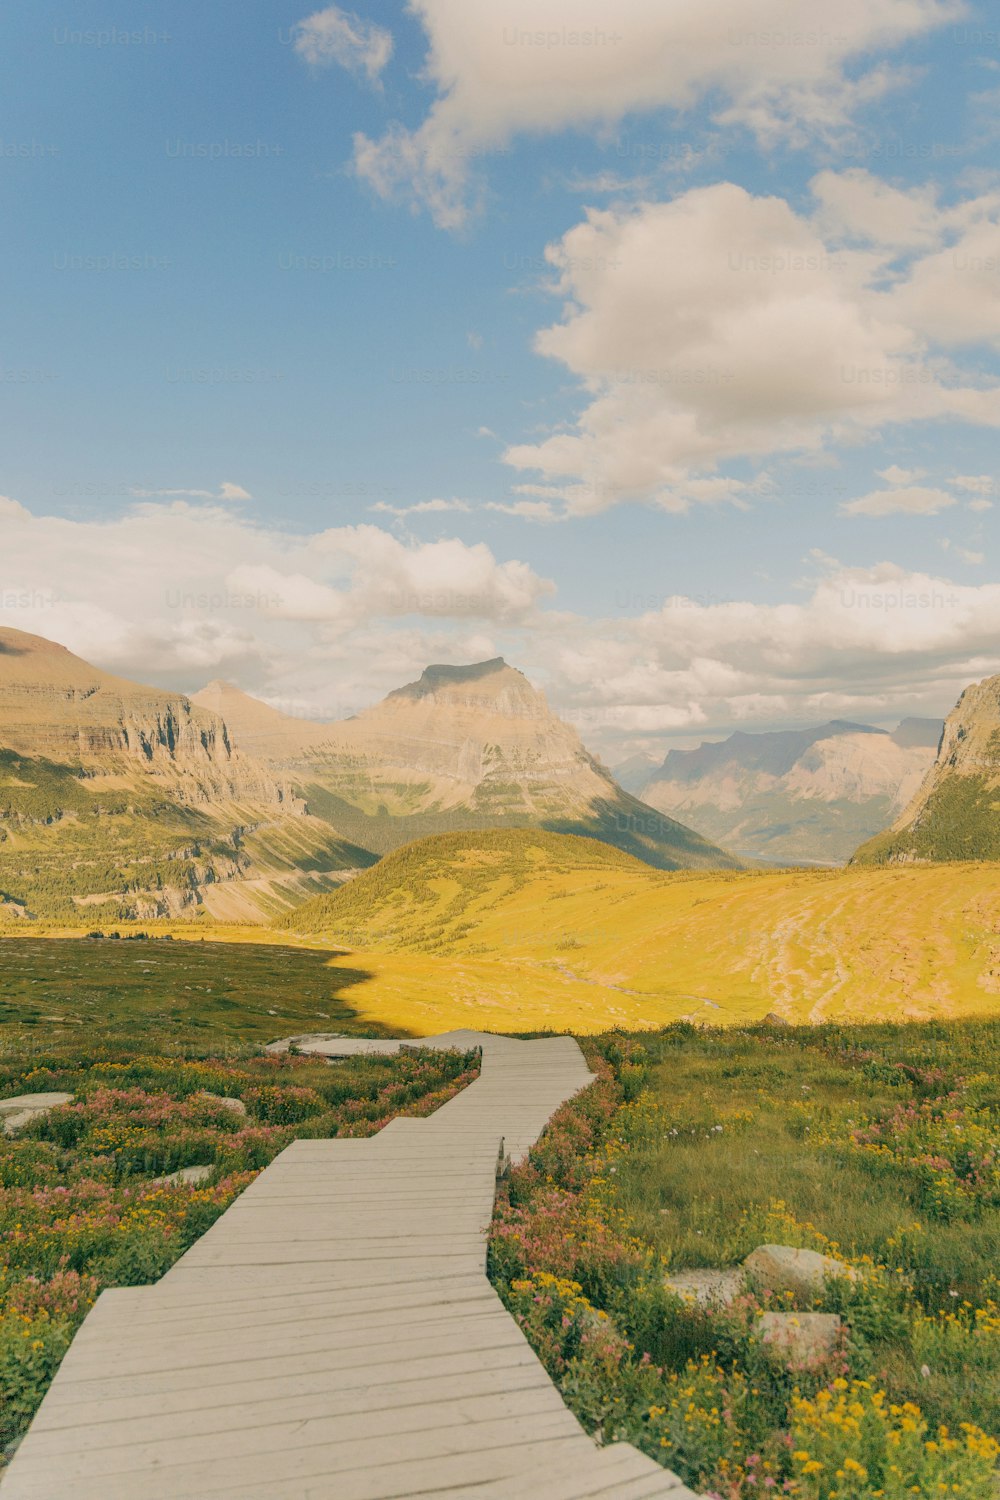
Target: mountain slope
{"points": [[955, 813], [519, 929], [462, 748], [125, 801], [797, 796]]}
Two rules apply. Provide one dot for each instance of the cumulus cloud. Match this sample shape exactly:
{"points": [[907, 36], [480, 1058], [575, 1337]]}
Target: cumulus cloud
{"points": [[867, 643], [722, 326], [904, 499], [326, 623], [534, 66], [202, 590], [338, 36], [856, 205]]}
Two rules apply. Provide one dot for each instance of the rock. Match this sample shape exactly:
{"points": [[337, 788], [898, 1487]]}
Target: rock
{"points": [[23, 1108], [800, 1338], [783, 1268], [191, 1175], [708, 1288], [773, 1019], [236, 1105]]}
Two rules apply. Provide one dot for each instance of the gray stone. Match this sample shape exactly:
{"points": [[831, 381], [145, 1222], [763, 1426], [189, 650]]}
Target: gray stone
{"points": [[23, 1108], [192, 1175], [709, 1288], [784, 1268], [800, 1338], [236, 1105]]}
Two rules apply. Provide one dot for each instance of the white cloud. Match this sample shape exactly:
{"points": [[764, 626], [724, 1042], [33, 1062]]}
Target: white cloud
{"points": [[964, 554], [895, 475], [953, 295], [721, 326], [328, 623], [908, 500], [226, 491], [975, 484], [422, 507], [528, 510], [867, 643], [202, 590], [534, 66], [855, 205], [337, 36]]}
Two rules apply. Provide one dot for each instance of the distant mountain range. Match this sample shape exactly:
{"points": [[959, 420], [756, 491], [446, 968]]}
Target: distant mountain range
{"points": [[807, 796], [955, 812], [119, 801], [463, 748]]}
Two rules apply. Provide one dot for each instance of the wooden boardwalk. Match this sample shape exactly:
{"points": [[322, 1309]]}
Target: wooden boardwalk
{"points": [[334, 1336]]}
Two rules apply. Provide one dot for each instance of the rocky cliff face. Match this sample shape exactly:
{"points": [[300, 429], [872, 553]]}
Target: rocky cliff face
{"points": [[134, 802], [461, 748], [954, 813], [451, 733], [56, 706], [806, 796]]}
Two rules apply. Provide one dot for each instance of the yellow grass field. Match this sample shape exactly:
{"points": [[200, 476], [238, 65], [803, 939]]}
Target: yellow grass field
{"points": [[583, 947], [561, 952]]}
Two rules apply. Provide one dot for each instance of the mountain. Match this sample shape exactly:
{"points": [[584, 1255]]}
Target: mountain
{"points": [[464, 747], [635, 772], [805, 796], [955, 812], [127, 801]]}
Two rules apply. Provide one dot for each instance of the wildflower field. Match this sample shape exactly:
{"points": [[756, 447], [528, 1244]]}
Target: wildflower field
{"points": [[80, 1207], [879, 1146]]}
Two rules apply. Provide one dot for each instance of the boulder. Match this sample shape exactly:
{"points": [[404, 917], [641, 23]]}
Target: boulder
{"points": [[784, 1268], [191, 1175], [708, 1288], [800, 1338], [23, 1108], [236, 1105]]}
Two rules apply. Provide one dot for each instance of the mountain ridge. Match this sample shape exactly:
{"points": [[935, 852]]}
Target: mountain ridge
{"points": [[470, 746], [954, 814], [796, 796]]}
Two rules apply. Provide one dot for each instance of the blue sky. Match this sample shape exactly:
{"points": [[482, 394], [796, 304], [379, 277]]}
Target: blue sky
{"points": [[277, 277]]}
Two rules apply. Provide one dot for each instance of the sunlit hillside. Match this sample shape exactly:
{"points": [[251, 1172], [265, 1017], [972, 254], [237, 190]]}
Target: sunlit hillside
{"points": [[522, 929]]}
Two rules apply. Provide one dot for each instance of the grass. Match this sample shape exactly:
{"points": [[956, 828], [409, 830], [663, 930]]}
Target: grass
{"points": [[160, 992], [542, 931], [878, 1145], [79, 1207]]}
